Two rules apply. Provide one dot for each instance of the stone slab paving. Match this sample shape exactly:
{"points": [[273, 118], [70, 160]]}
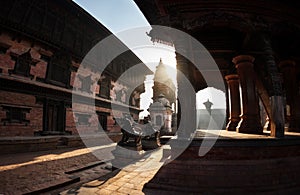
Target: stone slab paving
{"points": [[28, 172], [129, 180]]}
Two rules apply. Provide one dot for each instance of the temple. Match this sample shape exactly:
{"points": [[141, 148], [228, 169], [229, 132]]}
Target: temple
{"points": [[254, 44]]}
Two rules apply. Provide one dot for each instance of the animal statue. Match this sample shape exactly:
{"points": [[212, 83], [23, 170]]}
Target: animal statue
{"points": [[132, 130]]}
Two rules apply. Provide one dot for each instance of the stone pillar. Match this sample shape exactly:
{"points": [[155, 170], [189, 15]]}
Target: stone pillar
{"points": [[288, 69], [186, 99], [235, 104], [250, 122]]}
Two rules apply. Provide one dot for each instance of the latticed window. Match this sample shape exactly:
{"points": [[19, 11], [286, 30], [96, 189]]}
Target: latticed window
{"points": [[105, 88], [58, 72], [23, 64], [86, 83], [15, 115], [102, 117], [83, 119]]}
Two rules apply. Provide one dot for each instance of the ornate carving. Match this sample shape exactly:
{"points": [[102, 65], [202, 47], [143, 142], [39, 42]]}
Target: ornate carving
{"points": [[259, 23], [213, 17], [23, 63], [273, 73]]}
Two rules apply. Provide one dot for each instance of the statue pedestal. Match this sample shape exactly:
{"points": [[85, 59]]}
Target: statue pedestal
{"points": [[125, 154], [151, 142]]}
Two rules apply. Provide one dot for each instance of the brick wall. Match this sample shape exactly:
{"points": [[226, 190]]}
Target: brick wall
{"points": [[35, 115], [16, 47]]}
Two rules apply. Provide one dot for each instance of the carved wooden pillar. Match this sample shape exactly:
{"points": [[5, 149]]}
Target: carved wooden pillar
{"points": [[276, 99], [250, 122], [288, 69], [235, 104], [186, 99]]}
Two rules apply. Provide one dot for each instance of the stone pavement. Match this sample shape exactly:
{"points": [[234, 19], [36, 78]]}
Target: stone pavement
{"points": [[30, 172], [129, 180]]}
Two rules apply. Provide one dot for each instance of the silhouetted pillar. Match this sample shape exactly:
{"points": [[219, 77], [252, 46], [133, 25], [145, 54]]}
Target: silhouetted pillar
{"points": [[235, 104], [186, 99], [288, 69], [250, 122]]}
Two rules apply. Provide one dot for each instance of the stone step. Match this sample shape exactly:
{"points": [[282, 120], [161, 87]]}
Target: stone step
{"points": [[87, 166], [62, 182]]}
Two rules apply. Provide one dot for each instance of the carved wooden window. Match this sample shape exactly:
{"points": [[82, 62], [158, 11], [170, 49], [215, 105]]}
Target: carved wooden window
{"points": [[86, 83], [105, 88], [15, 115], [119, 95], [83, 119], [58, 72], [23, 64], [102, 117]]}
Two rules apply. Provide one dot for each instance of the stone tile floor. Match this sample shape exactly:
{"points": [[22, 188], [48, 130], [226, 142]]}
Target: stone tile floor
{"points": [[129, 180], [28, 172]]}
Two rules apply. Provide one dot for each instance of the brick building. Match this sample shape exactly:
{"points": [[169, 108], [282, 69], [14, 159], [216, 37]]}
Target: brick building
{"points": [[42, 45]]}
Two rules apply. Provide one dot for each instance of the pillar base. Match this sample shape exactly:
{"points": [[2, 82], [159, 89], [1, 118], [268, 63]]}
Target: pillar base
{"points": [[267, 125], [250, 126], [294, 125], [293, 129], [232, 125]]}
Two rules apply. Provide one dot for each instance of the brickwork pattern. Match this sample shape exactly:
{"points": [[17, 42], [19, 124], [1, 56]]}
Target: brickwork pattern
{"points": [[27, 172]]}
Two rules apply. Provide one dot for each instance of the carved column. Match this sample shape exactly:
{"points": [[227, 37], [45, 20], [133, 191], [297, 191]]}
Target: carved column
{"points": [[235, 104], [250, 122], [186, 99], [276, 95], [288, 69]]}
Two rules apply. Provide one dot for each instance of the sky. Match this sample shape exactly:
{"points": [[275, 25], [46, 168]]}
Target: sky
{"points": [[122, 15]]}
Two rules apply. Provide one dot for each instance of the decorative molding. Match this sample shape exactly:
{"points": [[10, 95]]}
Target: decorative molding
{"points": [[206, 19]]}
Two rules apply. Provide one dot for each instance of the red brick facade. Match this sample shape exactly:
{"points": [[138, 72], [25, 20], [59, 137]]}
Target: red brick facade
{"points": [[38, 75]]}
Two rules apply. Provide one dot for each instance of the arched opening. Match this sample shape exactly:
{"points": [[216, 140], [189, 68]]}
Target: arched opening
{"points": [[210, 105]]}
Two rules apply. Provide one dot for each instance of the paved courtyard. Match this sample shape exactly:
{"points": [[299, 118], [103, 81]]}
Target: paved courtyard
{"points": [[78, 171], [129, 180], [31, 172]]}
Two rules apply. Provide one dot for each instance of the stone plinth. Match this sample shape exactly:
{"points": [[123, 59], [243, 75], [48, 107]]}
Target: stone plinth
{"points": [[125, 155], [232, 166]]}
